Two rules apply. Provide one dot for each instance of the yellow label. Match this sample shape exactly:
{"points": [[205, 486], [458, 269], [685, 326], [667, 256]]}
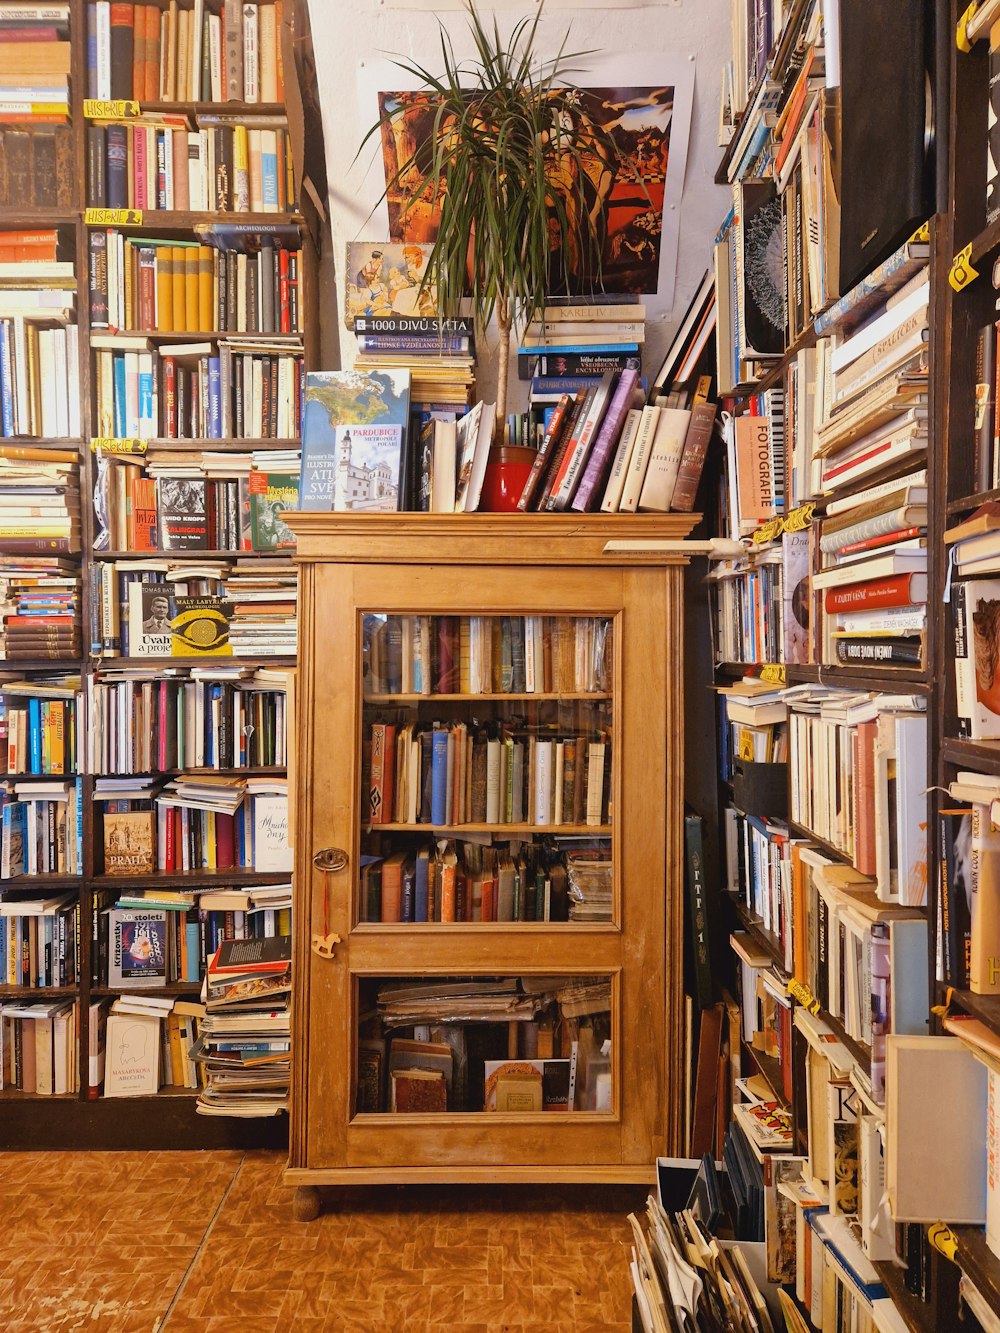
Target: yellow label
{"points": [[113, 217], [773, 673], [923, 232], [803, 995], [111, 444], [799, 519], [961, 35], [767, 531], [962, 272], [95, 109], [943, 1238]]}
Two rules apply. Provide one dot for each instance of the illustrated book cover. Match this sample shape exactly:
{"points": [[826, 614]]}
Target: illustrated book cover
{"points": [[353, 439]]}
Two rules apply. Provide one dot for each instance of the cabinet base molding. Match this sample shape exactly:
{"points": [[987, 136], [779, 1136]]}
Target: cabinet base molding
{"points": [[305, 1179]]}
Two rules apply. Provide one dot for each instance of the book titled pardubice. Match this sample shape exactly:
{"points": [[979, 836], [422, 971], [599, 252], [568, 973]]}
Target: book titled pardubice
{"points": [[353, 439]]}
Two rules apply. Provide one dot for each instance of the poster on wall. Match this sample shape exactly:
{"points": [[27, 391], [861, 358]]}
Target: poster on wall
{"points": [[642, 101]]}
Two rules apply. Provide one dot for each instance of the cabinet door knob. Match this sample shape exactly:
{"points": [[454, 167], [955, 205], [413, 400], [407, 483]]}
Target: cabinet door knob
{"points": [[330, 859]]}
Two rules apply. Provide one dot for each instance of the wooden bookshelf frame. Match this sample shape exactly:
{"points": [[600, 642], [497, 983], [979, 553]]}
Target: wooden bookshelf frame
{"points": [[506, 564], [167, 1120]]}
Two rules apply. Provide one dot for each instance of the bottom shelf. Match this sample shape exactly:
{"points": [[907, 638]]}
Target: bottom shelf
{"points": [[130, 1124], [979, 1263]]}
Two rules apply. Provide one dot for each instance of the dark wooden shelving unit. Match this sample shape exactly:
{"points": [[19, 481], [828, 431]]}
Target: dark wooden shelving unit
{"points": [[169, 1119]]}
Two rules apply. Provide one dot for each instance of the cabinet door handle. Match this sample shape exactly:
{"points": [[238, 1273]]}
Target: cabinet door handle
{"points": [[330, 860]]}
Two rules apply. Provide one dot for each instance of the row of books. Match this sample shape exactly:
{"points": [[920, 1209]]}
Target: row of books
{"points": [[35, 65], [241, 389], [761, 602], [38, 942], [39, 375], [41, 828], [38, 1047], [149, 722], [585, 337], [445, 774], [194, 822], [468, 882], [197, 164], [151, 54], [243, 283], [197, 922], [487, 655], [42, 735], [167, 500], [603, 450], [871, 750], [141, 1043], [36, 167], [244, 610]]}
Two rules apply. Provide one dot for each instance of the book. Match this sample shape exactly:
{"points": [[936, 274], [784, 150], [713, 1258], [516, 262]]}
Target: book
{"points": [[976, 628], [132, 1056], [270, 494], [129, 841], [138, 947], [354, 428]]}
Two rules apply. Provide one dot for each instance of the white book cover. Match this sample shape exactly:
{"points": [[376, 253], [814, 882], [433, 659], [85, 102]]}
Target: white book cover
{"points": [[132, 1056], [272, 850], [619, 465], [664, 459], [639, 460]]}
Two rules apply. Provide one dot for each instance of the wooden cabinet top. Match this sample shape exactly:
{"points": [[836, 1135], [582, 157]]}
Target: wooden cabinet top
{"points": [[491, 539]]}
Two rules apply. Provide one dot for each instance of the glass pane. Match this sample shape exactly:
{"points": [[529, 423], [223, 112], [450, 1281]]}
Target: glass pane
{"points": [[461, 1044], [487, 769]]}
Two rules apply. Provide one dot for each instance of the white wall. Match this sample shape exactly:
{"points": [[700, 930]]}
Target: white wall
{"points": [[346, 33]]}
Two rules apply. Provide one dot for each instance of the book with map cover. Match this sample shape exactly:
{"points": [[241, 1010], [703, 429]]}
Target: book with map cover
{"points": [[353, 439]]}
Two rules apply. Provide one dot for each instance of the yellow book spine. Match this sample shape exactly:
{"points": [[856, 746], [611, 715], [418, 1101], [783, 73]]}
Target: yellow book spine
{"points": [[165, 288], [130, 286], [179, 290], [57, 735], [241, 170], [210, 838], [191, 295]]}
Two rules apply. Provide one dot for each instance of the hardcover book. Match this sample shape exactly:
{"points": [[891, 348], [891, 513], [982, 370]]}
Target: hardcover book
{"points": [[129, 843], [270, 493], [200, 627], [183, 514], [353, 439], [151, 609], [132, 1056], [385, 278], [137, 943]]}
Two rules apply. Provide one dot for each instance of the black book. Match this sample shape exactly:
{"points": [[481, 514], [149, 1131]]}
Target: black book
{"points": [[182, 513], [886, 163], [96, 149], [887, 650], [426, 743], [245, 954], [986, 352], [266, 275], [253, 292], [697, 901], [956, 888]]}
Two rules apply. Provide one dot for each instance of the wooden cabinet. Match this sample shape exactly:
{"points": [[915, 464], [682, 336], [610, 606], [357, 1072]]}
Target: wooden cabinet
{"points": [[524, 650]]}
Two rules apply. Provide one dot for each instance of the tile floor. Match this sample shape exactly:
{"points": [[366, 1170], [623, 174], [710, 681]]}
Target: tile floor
{"points": [[199, 1242]]}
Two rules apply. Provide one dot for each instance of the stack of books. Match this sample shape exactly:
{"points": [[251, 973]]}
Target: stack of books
{"points": [[874, 584], [191, 163], [583, 336], [151, 54], [35, 62], [262, 597], [245, 1040]]}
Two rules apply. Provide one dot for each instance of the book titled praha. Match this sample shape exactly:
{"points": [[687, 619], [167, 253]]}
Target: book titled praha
{"points": [[353, 439]]}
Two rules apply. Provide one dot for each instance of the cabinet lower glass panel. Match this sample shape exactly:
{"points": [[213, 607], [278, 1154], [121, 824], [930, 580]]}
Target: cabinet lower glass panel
{"points": [[466, 1044], [487, 773]]}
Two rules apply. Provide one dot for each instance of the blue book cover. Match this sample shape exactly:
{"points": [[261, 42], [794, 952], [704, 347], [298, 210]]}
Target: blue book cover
{"points": [[214, 398], [78, 786], [407, 893], [269, 182], [439, 777], [121, 429], [35, 735], [354, 439], [6, 387], [147, 421], [420, 890], [192, 933], [91, 50], [580, 348]]}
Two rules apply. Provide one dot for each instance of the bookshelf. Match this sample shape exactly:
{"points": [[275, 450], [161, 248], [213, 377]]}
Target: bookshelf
{"points": [[167, 1119]]}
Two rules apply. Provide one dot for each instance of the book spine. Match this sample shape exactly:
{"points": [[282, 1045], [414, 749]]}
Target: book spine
{"points": [[887, 592], [692, 462], [599, 462]]}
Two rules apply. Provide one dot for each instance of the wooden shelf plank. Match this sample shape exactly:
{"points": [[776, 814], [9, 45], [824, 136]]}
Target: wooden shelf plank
{"points": [[984, 1007], [918, 1315], [984, 755], [870, 676], [977, 1260], [555, 830], [824, 846], [178, 989], [537, 696], [191, 879]]}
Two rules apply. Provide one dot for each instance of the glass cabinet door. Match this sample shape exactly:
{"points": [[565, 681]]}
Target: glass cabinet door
{"points": [[497, 779]]}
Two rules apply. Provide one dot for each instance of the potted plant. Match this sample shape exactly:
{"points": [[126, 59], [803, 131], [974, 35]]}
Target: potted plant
{"points": [[515, 169]]}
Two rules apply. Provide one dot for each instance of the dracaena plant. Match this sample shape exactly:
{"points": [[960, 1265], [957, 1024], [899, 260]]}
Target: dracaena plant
{"points": [[513, 165]]}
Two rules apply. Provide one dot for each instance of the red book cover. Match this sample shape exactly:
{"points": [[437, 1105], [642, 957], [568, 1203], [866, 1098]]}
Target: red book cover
{"points": [[170, 397], [168, 849], [381, 788], [489, 904], [142, 536], [161, 728], [896, 590], [40, 34], [139, 30], [225, 841], [151, 91], [140, 176], [179, 148], [446, 679]]}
